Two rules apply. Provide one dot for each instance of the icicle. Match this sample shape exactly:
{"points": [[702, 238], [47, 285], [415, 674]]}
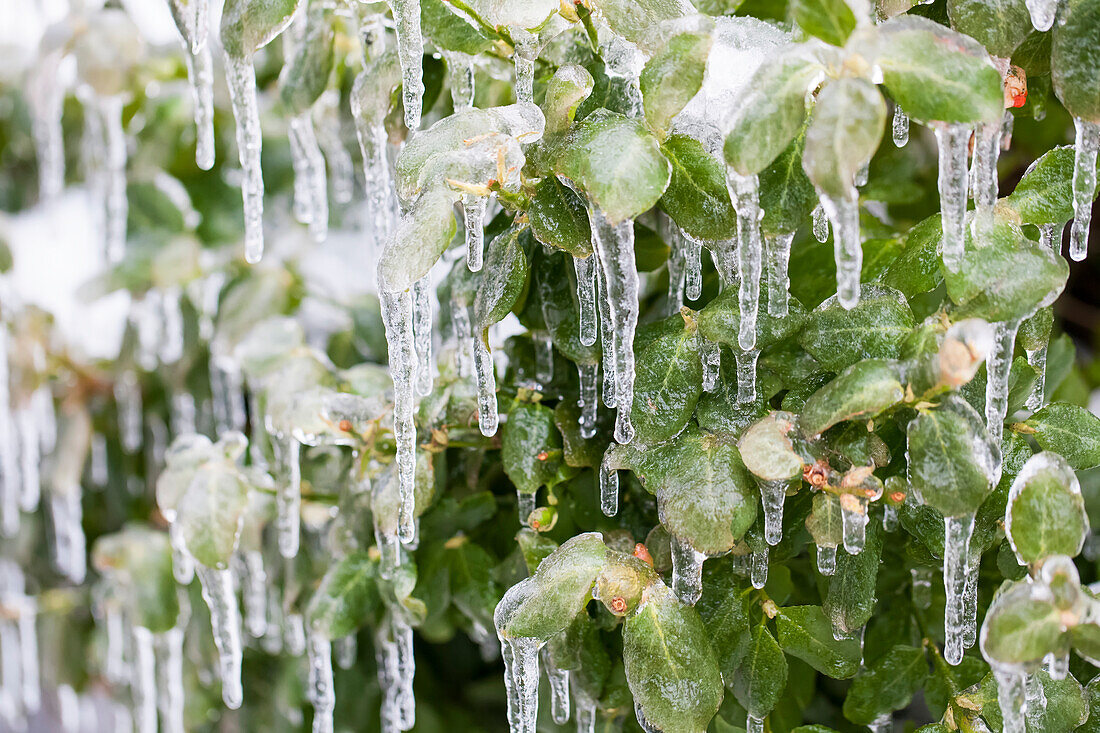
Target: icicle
{"points": [[588, 375], [826, 559], [746, 200], [1036, 699], [460, 78], [998, 365], [422, 334], [47, 97], [711, 356], [10, 673], [1042, 13], [746, 374], [778, 249], [487, 416], [526, 50], [183, 565], [396, 668], [956, 550], [525, 504], [321, 693], [853, 513], [544, 358], [843, 214], [377, 179], [559, 690], [585, 712], [1084, 185], [294, 634], [10, 483], [310, 184], [345, 650], [687, 571], [983, 174], [772, 495], [953, 140], [463, 331], [586, 298], [114, 664], [111, 111], [900, 128], [68, 534], [288, 498], [28, 651], [889, 518], [609, 487], [820, 223], [169, 665], [1058, 666], [397, 313], [693, 256], [200, 72], [607, 344], [922, 586], [340, 165], [29, 457], [759, 573], [254, 592], [677, 268], [753, 724], [143, 681], [410, 49], [473, 214], [241, 78], [882, 724], [1037, 359], [1011, 697], [862, 174], [614, 245], [970, 603], [225, 621], [521, 680]]}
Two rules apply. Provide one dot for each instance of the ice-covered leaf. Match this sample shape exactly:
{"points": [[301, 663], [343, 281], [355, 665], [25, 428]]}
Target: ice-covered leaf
{"points": [[1022, 626], [531, 449], [525, 14], [826, 522], [249, 25], [767, 449], [759, 681], [773, 113], [422, 236], [210, 512], [305, 76], [949, 459], [670, 666], [138, 561], [720, 320], [502, 279], [638, 21], [347, 597], [887, 685], [830, 20], [999, 25], [668, 381], [672, 77], [1046, 513], [568, 87], [838, 337], [1070, 430], [559, 218], [851, 596], [704, 493], [696, 197], [439, 25], [547, 602], [722, 606], [805, 632], [616, 161], [1045, 193], [844, 133], [1076, 37], [1005, 276], [861, 391], [934, 73]]}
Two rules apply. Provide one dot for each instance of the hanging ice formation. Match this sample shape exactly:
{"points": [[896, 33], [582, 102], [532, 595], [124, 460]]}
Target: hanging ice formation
{"points": [[778, 249], [687, 571], [169, 666], [853, 513], [998, 367], [820, 223], [329, 135], [288, 497], [410, 48], [310, 182], [843, 214], [773, 494], [521, 680], [953, 140], [20, 694], [370, 130], [320, 689], [110, 111], [241, 78], [1042, 13], [68, 545], [225, 621], [473, 215], [460, 79], [585, 269], [46, 95], [397, 315], [396, 669], [253, 579], [983, 175], [526, 50], [143, 680], [609, 486], [826, 559], [745, 196], [559, 689], [193, 22], [1084, 185], [900, 127]]}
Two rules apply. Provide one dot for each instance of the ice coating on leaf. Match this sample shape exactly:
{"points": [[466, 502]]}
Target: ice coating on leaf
{"points": [[1042, 17], [952, 140], [1085, 147], [369, 103], [225, 621], [1045, 511], [241, 78]]}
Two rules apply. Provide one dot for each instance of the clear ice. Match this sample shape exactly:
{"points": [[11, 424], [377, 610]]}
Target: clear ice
{"points": [[687, 571], [778, 250], [397, 314], [746, 200], [225, 621], [310, 182], [320, 690], [953, 140], [1084, 186], [241, 77], [843, 214], [1042, 13], [900, 128], [772, 496], [956, 566]]}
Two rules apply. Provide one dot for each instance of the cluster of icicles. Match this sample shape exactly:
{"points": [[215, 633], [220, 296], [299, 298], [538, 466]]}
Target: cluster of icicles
{"points": [[607, 295]]}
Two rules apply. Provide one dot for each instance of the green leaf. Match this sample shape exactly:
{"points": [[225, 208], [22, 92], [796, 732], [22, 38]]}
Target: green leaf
{"points": [[704, 493], [305, 76], [851, 596], [826, 521], [861, 391], [1005, 276], [830, 20], [559, 218], [616, 161], [503, 278], [1070, 430], [918, 268], [888, 685], [934, 73], [473, 591], [722, 607], [844, 133], [786, 194], [668, 381], [438, 24], [696, 197], [1046, 512], [635, 20], [949, 459], [767, 448], [759, 681], [1021, 627], [557, 290], [665, 648], [531, 449], [874, 328], [568, 87], [347, 597], [1076, 36], [806, 633], [546, 603], [720, 320], [772, 113], [999, 25], [672, 77], [137, 562], [421, 238], [1045, 194], [249, 25]]}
